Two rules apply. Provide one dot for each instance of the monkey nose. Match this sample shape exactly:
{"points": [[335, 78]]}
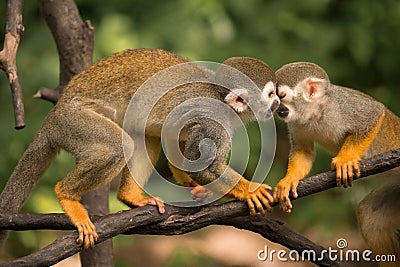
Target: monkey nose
{"points": [[283, 111], [275, 105]]}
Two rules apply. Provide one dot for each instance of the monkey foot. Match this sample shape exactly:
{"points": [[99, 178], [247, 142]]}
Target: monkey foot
{"points": [[146, 200], [87, 233], [259, 199], [200, 193]]}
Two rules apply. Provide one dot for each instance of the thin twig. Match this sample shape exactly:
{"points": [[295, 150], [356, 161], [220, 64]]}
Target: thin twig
{"points": [[8, 57]]}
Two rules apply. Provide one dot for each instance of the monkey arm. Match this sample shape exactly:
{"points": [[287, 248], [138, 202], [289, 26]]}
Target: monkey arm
{"points": [[300, 162], [353, 149]]}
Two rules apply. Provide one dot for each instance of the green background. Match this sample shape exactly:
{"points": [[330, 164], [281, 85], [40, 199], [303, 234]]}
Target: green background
{"points": [[357, 42]]}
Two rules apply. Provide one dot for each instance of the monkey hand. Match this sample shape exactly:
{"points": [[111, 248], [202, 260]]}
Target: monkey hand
{"points": [[257, 199], [282, 190], [347, 168], [200, 193]]}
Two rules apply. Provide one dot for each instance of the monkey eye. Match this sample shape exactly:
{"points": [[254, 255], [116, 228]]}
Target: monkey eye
{"points": [[281, 95], [271, 94], [240, 99]]}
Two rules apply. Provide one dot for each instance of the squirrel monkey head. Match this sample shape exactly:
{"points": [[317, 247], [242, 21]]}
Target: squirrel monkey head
{"points": [[263, 102], [251, 87], [302, 88]]}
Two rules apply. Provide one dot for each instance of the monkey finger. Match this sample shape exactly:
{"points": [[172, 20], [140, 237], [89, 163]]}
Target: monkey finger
{"points": [[258, 205], [266, 187], [338, 176], [264, 193], [357, 169], [160, 205], [294, 190], [156, 201], [267, 195], [90, 227], [79, 240], [275, 195], [283, 194], [286, 205], [266, 204], [88, 241], [344, 175], [91, 240], [350, 181], [350, 172], [251, 206]]}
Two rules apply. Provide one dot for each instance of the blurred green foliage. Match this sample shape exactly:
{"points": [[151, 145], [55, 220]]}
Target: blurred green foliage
{"points": [[357, 42]]}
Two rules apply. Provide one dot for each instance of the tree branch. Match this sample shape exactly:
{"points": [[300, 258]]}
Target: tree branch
{"points": [[175, 221], [179, 220], [8, 57], [327, 180], [74, 40]]}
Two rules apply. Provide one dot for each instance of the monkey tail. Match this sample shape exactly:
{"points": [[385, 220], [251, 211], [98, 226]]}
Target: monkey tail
{"points": [[30, 168]]}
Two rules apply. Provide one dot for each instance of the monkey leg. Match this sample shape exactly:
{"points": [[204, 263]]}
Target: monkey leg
{"points": [[379, 220], [181, 177], [141, 164], [98, 151], [198, 192]]}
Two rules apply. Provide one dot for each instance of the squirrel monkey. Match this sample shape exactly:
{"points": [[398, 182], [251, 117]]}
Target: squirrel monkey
{"points": [[350, 125], [87, 122]]}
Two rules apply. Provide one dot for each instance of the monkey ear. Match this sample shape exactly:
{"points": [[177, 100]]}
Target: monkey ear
{"points": [[314, 88], [236, 99], [259, 72]]}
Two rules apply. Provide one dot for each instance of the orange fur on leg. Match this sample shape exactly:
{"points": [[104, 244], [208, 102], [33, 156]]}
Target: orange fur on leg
{"points": [[198, 192], [79, 217], [131, 194]]}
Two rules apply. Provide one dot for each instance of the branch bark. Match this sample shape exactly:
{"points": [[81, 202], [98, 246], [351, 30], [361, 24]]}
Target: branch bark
{"points": [[8, 57], [175, 221], [74, 40], [178, 220], [327, 180]]}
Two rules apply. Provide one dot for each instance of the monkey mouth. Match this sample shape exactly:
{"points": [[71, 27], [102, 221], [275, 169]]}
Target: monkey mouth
{"points": [[282, 111]]}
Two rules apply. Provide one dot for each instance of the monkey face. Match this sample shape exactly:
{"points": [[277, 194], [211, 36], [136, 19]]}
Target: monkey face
{"points": [[250, 102], [302, 102], [269, 94], [285, 94]]}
